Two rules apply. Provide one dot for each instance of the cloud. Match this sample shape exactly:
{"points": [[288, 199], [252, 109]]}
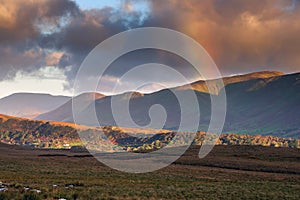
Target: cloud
{"points": [[12, 61], [21, 24], [45, 80], [20, 20], [54, 58], [87, 30], [241, 36]]}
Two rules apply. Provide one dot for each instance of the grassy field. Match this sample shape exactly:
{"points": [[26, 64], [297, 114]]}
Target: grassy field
{"points": [[228, 172]]}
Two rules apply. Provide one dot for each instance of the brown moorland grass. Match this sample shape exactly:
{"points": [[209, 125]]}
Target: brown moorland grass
{"points": [[228, 172]]}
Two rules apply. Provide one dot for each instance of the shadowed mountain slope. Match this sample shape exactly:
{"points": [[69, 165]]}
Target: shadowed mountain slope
{"points": [[64, 112], [254, 105]]}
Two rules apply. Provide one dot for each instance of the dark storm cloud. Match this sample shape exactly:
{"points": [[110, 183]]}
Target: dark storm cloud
{"points": [[241, 36], [21, 25], [84, 32], [19, 18]]}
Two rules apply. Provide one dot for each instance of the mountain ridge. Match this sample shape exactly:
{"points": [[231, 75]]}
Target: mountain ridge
{"points": [[30, 105], [64, 111], [201, 85], [267, 105], [260, 105]]}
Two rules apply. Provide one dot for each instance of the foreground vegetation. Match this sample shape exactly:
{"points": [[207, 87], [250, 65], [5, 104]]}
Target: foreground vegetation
{"points": [[229, 172], [57, 135]]}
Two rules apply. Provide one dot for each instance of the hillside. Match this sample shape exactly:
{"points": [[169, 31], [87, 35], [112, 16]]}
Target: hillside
{"points": [[64, 111], [44, 134], [30, 105], [200, 86], [37, 133], [270, 105], [267, 106]]}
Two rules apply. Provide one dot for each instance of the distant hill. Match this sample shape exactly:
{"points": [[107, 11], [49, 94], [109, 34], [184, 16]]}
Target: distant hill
{"points": [[258, 103], [30, 105], [64, 111]]}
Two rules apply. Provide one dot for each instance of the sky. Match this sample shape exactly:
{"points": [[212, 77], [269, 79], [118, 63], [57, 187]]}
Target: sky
{"points": [[43, 42]]}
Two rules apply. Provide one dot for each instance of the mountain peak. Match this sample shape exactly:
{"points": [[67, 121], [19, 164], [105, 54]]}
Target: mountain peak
{"points": [[201, 86], [133, 94]]}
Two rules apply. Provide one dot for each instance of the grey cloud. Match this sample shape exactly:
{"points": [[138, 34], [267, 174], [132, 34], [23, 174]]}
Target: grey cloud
{"points": [[20, 23], [241, 36]]}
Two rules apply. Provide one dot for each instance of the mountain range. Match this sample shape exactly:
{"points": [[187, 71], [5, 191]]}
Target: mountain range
{"points": [[264, 103], [64, 111], [30, 105]]}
